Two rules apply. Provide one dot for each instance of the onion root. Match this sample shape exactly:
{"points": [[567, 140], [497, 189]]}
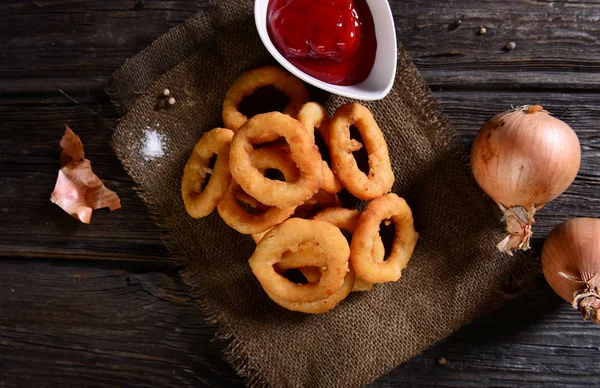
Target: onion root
{"points": [[587, 301], [518, 228]]}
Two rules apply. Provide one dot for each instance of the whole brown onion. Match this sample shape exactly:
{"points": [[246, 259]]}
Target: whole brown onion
{"points": [[571, 264], [523, 159]]}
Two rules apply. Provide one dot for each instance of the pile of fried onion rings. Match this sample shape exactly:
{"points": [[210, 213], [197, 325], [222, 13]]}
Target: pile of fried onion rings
{"points": [[296, 218]]}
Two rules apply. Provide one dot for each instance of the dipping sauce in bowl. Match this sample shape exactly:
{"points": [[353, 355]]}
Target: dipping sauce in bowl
{"points": [[330, 40]]}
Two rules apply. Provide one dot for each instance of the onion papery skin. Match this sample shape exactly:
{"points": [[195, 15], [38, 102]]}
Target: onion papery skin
{"points": [[523, 159], [571, 264]]}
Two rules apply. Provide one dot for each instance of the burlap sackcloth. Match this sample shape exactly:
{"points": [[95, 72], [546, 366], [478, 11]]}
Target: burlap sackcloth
{"points": [[454, 276]]}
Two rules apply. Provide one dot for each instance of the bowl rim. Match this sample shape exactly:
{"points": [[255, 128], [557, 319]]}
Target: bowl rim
{"points": [[350, 91]]}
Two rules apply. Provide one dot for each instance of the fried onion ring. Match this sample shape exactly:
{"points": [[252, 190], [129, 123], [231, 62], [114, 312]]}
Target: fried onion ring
{"points": [[381, 177], [289, 235], [259, 236], [200, 203], [314, 117], [318, 202], [310, 272], [389, 207], [318, 306], [347, 219], [236, 216], [250, 81], [265, 128], [309, 259]]}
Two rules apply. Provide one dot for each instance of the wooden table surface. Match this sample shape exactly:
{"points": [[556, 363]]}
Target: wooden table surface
{"points": [[102, 304]]}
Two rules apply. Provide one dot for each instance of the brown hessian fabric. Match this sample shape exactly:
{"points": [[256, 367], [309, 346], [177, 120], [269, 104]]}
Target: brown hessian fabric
{"points": [[454, 276]]}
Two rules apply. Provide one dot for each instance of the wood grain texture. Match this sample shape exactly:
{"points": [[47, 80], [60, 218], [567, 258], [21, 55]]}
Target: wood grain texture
{"points": [[61, 323], [557, 43], [536, 340], [116, 313]]}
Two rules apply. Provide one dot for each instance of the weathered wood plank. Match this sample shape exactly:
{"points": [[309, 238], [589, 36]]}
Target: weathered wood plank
{"points": [[63, 324], [534, 340], [66, 325], [552, 38], [77, 45]]}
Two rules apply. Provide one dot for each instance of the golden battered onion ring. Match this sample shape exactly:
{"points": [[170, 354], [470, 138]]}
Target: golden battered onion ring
{"points": [[381, 177], [264, 128], [389, 207], [252, 80], [200, 203], [289, 261], [309, 259], [303, 255], [318, 306], [289, 235], [347, 219], [321, 200], [258, 236], [310, 272], [236, 216], [314, 117], [331, 183]]}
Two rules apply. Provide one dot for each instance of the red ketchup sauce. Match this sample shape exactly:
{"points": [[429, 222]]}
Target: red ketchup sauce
{"points": [[330, 40]]}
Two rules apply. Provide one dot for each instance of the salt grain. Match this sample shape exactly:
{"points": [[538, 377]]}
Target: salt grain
{"points": [[153, 145]]}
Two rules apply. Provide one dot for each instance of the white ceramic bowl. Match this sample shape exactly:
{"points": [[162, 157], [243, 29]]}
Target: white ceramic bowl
{"points": [[380, 80]]}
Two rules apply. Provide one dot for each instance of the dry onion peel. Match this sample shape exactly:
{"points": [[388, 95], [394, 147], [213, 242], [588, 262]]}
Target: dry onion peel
{"points": [[571, 264], [78, 190], [523, 159]]}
